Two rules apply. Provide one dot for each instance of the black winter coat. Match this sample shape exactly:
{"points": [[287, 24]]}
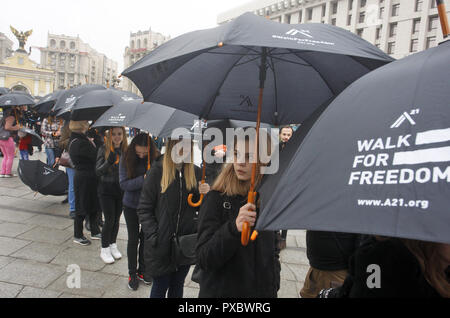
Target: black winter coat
{"points": [[83, 153], [158, 214], [229, 269], [108, 172]]}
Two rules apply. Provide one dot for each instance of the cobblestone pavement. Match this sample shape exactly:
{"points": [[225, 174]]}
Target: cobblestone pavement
{"points": [[36, 252]]}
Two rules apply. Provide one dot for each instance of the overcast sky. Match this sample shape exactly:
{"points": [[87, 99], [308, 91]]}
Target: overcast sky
{"points": [[106, 24]]}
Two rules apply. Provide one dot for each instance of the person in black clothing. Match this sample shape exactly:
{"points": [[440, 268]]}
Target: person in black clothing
{"points": [[109, 191], [407, 269], [132, 168], [164, 213], [228, 269], [83, 154], [328, 254]]}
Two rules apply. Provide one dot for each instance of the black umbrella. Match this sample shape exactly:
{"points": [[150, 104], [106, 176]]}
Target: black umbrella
{"points": [[67, 99], [4, 90], [36, 140], [91, 105], [213, 73], [43, 178], [45, 105], [15, 99], [377, 160]]}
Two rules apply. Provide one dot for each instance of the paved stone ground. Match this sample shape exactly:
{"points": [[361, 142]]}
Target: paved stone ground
{"points": [[36, 250]]}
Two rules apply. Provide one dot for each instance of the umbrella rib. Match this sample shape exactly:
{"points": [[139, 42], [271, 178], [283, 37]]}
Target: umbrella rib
{"points": [[284, 60], [206, 114], [325, 81], [251, 60], [272, 66]]}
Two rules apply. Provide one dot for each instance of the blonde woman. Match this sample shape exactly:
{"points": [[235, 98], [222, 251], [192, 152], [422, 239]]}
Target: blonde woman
{"points": [[109, 191], [229, 269], [163, 208], [83, 154]]}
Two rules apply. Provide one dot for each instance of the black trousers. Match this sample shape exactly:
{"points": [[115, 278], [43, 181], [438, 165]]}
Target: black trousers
{"points": [[85, 188], [112, 210], [135, 247]]}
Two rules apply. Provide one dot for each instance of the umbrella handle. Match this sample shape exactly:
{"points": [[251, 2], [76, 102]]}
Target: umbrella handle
{"points": [[196, 204], [245, 235]]}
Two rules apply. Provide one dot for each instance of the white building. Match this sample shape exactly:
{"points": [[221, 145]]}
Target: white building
{"points": [[75, 62], [398, 27], [141, 43], [5, 47]]}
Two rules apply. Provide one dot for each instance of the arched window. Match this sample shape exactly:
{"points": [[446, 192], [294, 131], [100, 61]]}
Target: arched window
{"points": [[139, 43], [145, 43], [52, 43], [132, 44], [62, 44], [72, 45]]}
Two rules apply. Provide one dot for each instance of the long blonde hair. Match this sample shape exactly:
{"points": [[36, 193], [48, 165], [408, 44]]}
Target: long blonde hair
{"points": [[169, 168], [427, 255], [109, 143]]}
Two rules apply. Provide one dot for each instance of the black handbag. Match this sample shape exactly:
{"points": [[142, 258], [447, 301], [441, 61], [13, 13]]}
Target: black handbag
{"points": [[4, 134], [183, 248]]}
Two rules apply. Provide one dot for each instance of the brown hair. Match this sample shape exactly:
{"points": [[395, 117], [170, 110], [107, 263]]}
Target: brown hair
{"points": [[169, 168], [79, 126], [427, 255], [130, 155], [108, 142]]}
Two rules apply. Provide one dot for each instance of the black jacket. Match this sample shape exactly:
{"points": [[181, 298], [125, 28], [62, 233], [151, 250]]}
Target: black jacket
{"points": [[158, 214], [401, 275], [83, 153], [108, 172], [229, 269]]}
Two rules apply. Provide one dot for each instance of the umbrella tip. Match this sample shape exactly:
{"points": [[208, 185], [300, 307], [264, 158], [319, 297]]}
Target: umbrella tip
{"points": [[220, 44]]}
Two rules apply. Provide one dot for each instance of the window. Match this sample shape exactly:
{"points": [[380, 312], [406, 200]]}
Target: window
{"points": [[395, 9], [431, 41], [287, 19], [324, 9], [62, 45], [378, 33], [145, 43], [333, 21], [349, 19], [416, 26], [139, 44], [433, 4], [362, 3], [309, 14], [350, 5], [432, 23], [391, 47], [132, 44], [52, 43], [414, 45], [334, 7], [72, 45], [392, 29], [381, 13], [419, 5], [300, 16], [359, 32], [362, 16]]}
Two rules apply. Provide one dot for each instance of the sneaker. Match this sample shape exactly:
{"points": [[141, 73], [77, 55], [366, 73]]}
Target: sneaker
{"points": [[82, 241], [72, 215], [10, 175], [133, 282], [106, 256], [2, 175], [96, 236], [115, 251], [144, 278]]}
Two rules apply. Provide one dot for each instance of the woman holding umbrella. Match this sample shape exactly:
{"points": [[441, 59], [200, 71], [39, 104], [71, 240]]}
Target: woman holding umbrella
{"points": [[109, 190], [133, 165], [51, 131], [229, 269], [9, 124], [165, 216]]}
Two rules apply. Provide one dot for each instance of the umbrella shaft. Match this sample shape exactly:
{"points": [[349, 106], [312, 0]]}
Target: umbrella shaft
{"points": [[443, 18]]}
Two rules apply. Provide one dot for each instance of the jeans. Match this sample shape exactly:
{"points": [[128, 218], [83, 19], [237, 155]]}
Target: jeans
{"points": [[8, 149], [24, 155], [50, 152], [112, 210], [71, 196], [172, 284], [135, 244]]}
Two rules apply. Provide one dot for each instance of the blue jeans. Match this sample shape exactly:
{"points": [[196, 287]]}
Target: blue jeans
{"points": [[172, 284], [50, 152], [70, 173], [23, 154]]}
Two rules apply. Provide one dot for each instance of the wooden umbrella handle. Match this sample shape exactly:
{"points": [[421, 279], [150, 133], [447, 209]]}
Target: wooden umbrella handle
{"points": [[245, 235], [197, 204], [443, 17]]}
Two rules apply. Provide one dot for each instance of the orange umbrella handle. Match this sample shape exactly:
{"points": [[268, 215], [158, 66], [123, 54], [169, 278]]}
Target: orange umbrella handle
{"points": [[196, 204], [245, 235]]}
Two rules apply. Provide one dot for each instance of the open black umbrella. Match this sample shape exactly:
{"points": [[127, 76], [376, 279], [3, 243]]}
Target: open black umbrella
{"points": [[43, 178], [4, 90], [213, 73], [15, 99], [45, 105], [68, 98], [91, 105], [377, 161], [36, 140]]}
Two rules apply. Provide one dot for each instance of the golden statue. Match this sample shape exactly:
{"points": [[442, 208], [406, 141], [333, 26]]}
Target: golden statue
{"points": [[21, 37]]}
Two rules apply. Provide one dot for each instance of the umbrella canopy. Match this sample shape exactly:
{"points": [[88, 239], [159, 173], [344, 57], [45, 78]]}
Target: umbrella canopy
{"points": [[69, 97], [42, 178], [214, 73], [36, 140], [377, 159], [4, 90], [94, 103], [45, 105], [15, 99]]}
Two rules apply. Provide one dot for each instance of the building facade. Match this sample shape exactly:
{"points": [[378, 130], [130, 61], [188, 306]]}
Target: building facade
{"points": [[75, 62], [398, 27], [141, 43], [5, 47]]}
